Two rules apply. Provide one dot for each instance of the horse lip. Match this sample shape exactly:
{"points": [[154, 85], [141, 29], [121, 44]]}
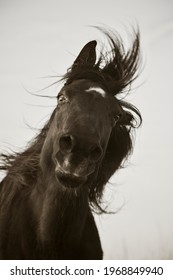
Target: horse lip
{"points": [[74, 173], [70, 180]]}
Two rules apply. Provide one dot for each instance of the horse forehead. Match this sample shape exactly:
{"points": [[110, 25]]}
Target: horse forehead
{"points": [[97, 89]]}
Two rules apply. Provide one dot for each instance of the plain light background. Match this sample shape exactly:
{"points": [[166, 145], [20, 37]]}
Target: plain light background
{"points": [[39, 39]]}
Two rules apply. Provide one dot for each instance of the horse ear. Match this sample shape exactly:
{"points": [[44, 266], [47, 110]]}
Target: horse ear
{"points": [[87, 55]]}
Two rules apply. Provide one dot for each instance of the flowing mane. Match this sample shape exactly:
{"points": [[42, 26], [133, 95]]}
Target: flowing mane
{"points": [[115, 69]]}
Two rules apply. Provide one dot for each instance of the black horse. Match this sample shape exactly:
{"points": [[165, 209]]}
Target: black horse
{"points": [[50, 189]]}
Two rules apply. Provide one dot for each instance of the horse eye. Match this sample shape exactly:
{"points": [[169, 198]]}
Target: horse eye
{"points": [[116, 118], [61, 98]]}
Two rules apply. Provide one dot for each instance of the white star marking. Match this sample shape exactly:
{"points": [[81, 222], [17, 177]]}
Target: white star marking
{"points": [[97, 89]]}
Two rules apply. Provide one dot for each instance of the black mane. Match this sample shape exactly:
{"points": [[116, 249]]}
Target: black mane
{"points": [[115, 69]]}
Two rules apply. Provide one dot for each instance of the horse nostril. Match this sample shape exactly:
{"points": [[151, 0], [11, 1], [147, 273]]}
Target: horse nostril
{"points": [[66, 143], [96, 153]]}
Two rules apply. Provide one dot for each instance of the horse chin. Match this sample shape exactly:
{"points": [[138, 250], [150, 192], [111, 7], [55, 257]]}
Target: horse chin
{"points": [[70, 180]]}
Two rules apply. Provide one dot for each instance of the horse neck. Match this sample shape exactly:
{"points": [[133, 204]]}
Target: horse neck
{"points": [[59, 209]]}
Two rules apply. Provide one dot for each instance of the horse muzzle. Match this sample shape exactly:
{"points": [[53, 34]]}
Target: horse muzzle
{"points": [[69, 180], [73, 174], [76, 159]]}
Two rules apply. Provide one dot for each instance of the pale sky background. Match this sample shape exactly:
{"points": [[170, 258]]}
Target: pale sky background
{"points": [[40, 39]]}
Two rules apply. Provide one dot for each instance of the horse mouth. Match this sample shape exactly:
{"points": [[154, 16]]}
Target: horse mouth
{"points": [[69, 180]]}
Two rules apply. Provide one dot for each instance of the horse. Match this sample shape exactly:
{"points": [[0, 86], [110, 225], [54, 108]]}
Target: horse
{"points": [[52, 188]]}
